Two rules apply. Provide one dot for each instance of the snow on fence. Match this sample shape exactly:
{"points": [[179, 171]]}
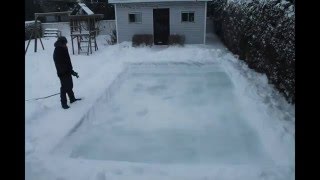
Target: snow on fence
{"points": [[105, 27], [63, 27]]}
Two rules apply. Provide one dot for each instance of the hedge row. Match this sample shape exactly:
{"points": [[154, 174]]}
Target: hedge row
{"points": [[262, 33]]}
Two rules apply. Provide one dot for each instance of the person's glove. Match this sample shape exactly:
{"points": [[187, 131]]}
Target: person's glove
{"points": [[75, 74]]}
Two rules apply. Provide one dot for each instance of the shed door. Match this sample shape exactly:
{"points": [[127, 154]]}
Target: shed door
{"points": [[161, 28]]}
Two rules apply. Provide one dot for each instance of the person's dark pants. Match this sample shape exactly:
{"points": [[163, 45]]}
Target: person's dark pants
{"points": [[66, 88]]}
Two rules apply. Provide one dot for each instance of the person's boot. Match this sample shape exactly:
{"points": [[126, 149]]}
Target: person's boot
{"points": [[74, 100], [65, 106]]}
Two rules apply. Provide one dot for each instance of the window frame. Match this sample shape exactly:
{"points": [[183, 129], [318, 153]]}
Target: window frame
{"points": [[188, 21], [135, 13]]}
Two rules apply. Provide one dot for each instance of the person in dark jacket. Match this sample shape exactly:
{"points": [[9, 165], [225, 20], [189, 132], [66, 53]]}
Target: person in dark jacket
{"points": [[64, 70]]}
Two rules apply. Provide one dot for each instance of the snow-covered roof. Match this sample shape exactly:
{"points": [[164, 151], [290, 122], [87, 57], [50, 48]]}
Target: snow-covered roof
{"points": [[135, 1], [85, 8]]}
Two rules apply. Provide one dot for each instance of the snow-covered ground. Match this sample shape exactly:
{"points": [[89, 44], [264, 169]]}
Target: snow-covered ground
{"points": [[192, 112]]}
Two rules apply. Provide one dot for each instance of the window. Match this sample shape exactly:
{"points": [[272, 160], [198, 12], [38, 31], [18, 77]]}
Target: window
{"points": [[135, 18], [187, 16]]}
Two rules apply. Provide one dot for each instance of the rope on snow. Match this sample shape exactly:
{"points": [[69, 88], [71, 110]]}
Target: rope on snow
{"points": [[42, 97]]}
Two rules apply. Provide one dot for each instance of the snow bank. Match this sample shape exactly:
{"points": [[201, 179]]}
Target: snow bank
{"points": [[47, 124]]}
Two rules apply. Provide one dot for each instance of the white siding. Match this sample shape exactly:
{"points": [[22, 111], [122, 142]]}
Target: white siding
{"points": [[193, 31], [126, 29]]}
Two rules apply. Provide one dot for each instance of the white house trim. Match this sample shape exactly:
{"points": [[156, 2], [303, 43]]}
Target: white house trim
{"points": [[205, 23], [115, 14]]}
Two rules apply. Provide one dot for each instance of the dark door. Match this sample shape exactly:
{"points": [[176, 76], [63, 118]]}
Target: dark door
{"points": [[161, 29]]}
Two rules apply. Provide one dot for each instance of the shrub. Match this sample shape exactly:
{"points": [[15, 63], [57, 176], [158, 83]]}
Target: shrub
{"points": [[113, 37], [142, 39], [176, 39]]}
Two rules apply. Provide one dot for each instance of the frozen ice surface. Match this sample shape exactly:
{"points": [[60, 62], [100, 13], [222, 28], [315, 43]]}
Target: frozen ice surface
{"points": [[168, 114]]}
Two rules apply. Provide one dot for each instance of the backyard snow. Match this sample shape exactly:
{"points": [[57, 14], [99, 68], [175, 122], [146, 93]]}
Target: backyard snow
{"points": [[178, 113]]}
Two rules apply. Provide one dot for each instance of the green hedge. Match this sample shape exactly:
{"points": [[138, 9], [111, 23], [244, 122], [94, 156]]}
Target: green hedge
{"points": [[262, 33]]}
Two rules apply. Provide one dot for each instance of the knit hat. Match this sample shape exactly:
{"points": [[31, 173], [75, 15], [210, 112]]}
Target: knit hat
{"points": [[62, 39]]}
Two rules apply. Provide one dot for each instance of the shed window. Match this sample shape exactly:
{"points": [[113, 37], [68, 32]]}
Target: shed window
{"points": [[135, 17], [187, 16]]}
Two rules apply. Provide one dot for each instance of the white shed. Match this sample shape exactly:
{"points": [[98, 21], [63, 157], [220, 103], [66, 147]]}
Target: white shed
{"points": [[161, 18]]}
